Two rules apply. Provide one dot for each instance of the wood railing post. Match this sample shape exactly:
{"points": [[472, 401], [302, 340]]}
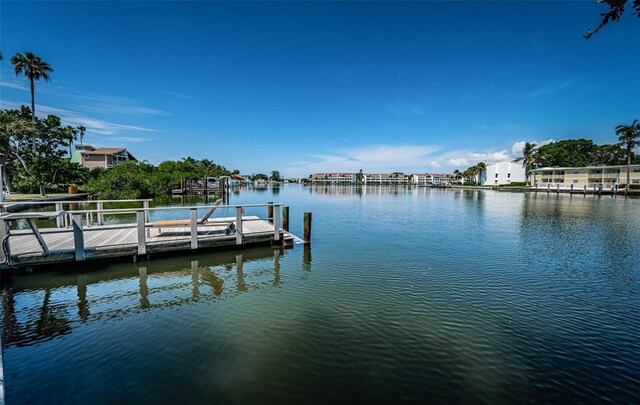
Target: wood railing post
{"points": [[194, 228], [307, 227], [285, 218], [238, 225], [59, 219], [100, 206], [276, 223], [145, 205], [3, 234], [270, 212], [142, 240], [78, 236]]}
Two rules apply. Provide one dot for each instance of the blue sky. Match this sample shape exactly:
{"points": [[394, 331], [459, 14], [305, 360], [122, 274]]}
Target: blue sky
{"points": [[329, 86]]}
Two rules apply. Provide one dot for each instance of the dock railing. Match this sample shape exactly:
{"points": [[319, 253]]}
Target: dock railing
{"points": [[76, 221], [64, 221]]}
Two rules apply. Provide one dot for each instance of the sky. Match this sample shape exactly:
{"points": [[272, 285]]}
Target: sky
{"points": [[310, 87]]}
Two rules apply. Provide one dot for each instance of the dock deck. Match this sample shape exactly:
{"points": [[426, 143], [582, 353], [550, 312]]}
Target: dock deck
{"points": [[75, 243]]}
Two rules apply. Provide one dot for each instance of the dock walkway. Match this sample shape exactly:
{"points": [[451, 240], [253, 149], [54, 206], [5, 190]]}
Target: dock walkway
{"points": [[77, 242]]}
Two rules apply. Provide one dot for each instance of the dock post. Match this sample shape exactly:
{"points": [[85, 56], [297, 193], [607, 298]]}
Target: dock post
{"points": [[3, 234], [558, 188], [59, 219], [585, 189], [142, 240], [194, 229], [285, 218], [78, 236], [572, 188], [238, 225], [270, 212], [307, 227], [145, 205], [100, 207], [276, 223], [548, 187]]}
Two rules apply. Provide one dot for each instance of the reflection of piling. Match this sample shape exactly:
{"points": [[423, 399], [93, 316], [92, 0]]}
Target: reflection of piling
{"points": [[270, 212], [307, 227], [285, 218], [306, 257], [144, 290], [276, 267]]}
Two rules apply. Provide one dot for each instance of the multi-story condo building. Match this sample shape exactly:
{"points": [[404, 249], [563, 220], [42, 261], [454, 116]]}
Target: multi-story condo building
{"points": [[394, 178], [590, 176], [503, 173], [334, 178], [433, 178]]}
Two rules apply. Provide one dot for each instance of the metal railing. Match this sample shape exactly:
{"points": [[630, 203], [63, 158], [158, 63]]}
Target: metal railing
{"points": [[143, 226]]}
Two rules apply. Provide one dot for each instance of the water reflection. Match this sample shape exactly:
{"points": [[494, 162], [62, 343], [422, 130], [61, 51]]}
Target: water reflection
{"points": [[46, 305]]}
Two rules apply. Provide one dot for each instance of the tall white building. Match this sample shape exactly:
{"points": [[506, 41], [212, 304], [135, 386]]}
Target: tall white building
{"points": [[503, 173]]}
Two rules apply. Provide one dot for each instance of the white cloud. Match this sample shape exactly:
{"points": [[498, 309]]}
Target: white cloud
{"points": [[382, 158]]}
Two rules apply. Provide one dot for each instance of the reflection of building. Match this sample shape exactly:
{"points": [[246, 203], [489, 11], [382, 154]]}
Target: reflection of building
{"points": [[590, 176], [87, 155], [503, 173]]}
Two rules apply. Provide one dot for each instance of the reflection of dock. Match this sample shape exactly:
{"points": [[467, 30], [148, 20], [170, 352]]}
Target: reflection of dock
{"points": [[77, 243], [114, 293]]}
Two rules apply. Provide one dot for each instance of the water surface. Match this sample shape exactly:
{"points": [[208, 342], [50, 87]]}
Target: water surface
{"points": [[405, 293]]}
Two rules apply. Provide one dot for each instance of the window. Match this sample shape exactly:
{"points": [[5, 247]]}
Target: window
{"points": [[636, 170], [574, 181], [508, 175], [496, 175], [576, 172], [635, 181]]}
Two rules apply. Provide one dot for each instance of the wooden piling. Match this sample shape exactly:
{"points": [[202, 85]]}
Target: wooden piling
{"points": [[270, 212], [307, 227], [285, 218]]}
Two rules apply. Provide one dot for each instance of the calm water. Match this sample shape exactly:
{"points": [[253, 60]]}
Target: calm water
{"points": [[410, 294]]}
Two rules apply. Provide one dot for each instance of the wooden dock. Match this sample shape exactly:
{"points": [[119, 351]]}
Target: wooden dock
{"points": [[85, 240]]}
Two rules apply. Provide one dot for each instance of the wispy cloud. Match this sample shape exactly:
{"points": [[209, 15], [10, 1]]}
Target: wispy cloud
{"points": [[176, 94], [128, 139], [553, 87], [14, 85], [74, 118]]}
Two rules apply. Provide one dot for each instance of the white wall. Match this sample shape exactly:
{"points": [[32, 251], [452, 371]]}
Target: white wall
{"points": [[503, 173]]}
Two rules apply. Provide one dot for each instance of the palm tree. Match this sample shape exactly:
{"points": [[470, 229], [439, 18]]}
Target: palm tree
{"points": [[73, 136], [480, 167], [527, 158], [82, 130], [629, 136], [34, 69]]}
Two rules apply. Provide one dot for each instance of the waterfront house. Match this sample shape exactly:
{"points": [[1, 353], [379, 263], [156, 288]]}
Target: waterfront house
{"points": [[502, 173], [88, 156], [590, 176]]}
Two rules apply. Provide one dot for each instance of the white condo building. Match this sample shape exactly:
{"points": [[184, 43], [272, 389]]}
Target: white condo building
{"points": [[503, 173]]}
